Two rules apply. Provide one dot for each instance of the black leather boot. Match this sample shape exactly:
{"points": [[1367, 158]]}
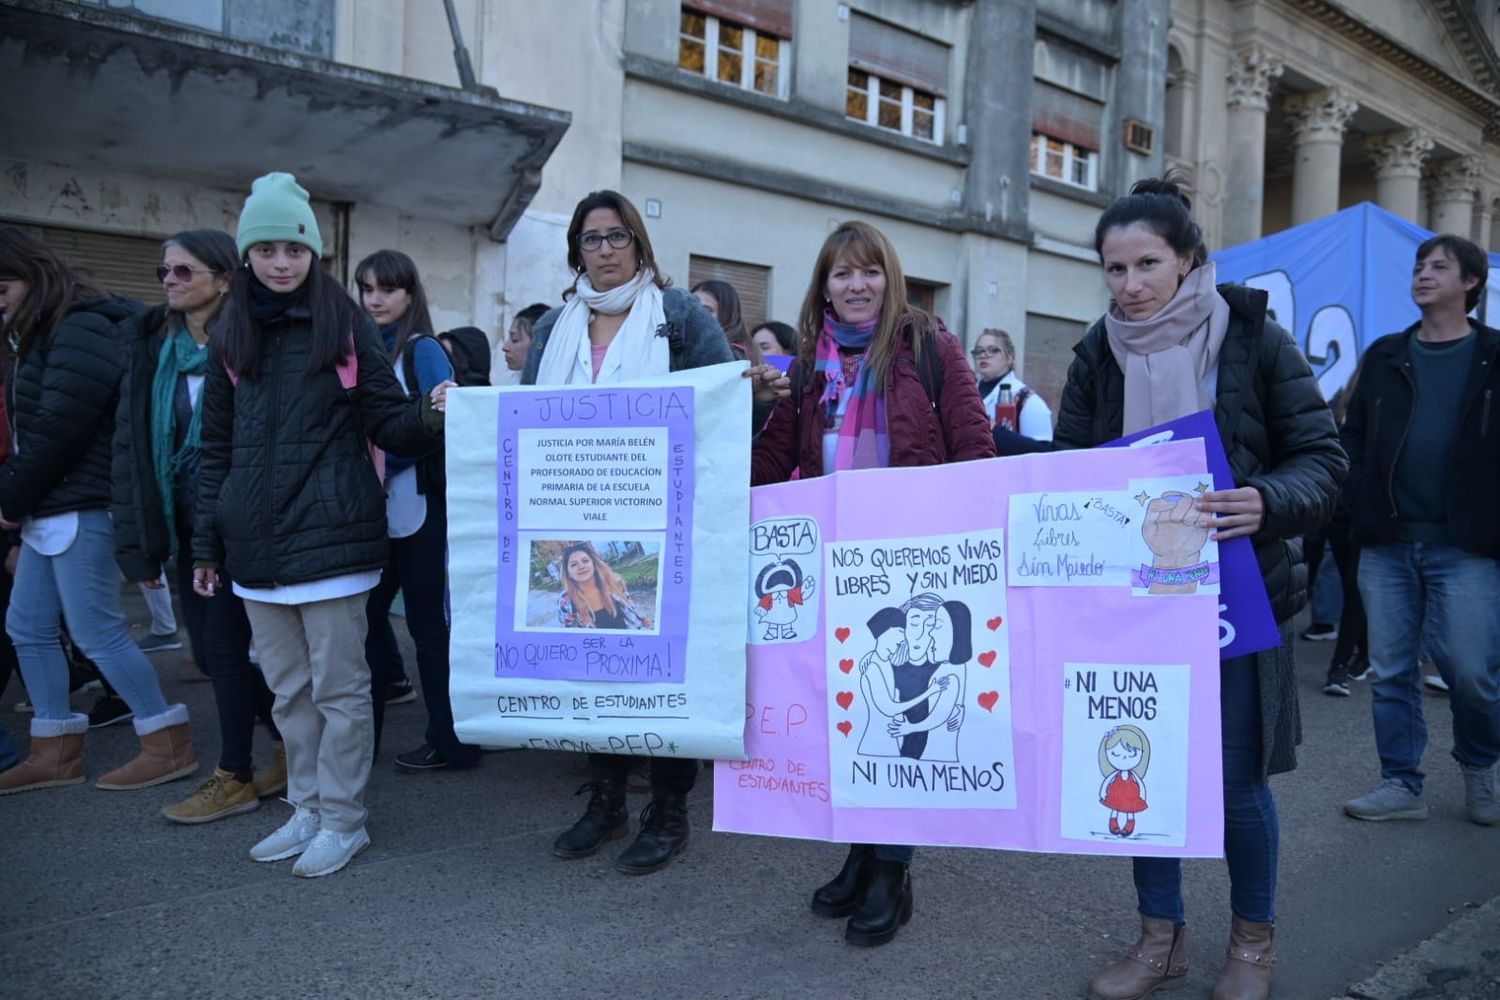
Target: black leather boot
{"points": [[839, 897], [886, 906], [604, 819], [664, 833]]}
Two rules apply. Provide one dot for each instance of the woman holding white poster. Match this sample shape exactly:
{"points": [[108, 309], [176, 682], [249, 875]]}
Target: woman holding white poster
{"points": [[877, 383], [1173, 343], [621, 321]]}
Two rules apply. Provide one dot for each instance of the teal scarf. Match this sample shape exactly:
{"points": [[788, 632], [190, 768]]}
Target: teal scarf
{"points": [[180, 355]]}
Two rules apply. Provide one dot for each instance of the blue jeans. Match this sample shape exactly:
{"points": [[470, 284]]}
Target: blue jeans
{"points": [[1458, 594], [9, 755], [1252, 832], [81, 588]]}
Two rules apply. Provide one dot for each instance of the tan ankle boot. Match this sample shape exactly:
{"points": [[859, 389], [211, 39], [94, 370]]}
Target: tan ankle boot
{"points": [[1157, 962], [51, 761], [1247, 973], [166, 755], [272, 778]]}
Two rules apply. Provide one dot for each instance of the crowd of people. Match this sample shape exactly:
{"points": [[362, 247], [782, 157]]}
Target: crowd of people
{"points": [[278, 442]]}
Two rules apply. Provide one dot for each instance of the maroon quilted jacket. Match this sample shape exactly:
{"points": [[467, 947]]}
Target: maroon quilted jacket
{"points": [[919, 435]]}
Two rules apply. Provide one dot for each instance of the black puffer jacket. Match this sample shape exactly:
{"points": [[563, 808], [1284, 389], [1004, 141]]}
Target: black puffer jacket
{"points": [[141, 542], [1277, 431], [287, 492], [61, 401], [1280, 438]]}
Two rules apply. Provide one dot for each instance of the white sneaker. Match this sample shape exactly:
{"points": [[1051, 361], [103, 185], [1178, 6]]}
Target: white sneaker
{"points": [[330, 851], [290, 839]]}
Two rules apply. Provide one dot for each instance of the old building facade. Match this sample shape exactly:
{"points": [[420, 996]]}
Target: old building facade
{"points": [[984, 135], [1284, 111]]}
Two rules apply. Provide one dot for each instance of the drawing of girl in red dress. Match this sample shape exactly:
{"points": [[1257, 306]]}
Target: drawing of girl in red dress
{"points": [[1124, 756]]}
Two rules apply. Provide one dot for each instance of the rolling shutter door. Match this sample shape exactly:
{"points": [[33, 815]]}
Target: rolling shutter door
{"points": [[124, 265]]}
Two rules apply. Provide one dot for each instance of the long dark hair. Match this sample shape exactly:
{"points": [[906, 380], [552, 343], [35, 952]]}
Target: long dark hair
{"points": [[633, 222], [731, 317], [333, 316], [52, 289], [393, 269], [1162, 206], [214, 249]]}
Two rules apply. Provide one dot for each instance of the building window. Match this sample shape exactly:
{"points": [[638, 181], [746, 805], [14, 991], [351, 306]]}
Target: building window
{"points": [[895, 106], [1063, 161], [921, 294], [897, 79], [734, 53]]}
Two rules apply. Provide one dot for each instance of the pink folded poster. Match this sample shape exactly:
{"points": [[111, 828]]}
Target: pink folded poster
{"points": [[1018, 653]]}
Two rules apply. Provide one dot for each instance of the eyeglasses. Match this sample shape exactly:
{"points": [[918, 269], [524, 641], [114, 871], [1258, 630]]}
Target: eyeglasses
{"points": [[181, 272], [618, 238], [985, 352]]}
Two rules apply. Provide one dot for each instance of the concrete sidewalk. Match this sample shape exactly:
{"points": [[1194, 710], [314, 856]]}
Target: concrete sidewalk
{"points": [[460, 897]]}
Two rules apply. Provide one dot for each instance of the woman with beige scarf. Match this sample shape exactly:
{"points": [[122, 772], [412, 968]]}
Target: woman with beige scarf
{"points": [[1172, 343]]}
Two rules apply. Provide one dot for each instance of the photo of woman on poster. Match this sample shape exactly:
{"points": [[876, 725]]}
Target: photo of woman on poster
{"points": [[594, 595]]}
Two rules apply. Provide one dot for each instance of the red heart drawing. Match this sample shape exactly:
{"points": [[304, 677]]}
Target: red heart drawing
{"points": [[846, 665], [995, 622], [845, 727], [987, 658], [987, 700], [841, 633], [844, 698]]}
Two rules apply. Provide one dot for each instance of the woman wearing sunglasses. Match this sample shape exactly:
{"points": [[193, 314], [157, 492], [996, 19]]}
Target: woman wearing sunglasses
{"points": [[994, 357], [155, 486]]}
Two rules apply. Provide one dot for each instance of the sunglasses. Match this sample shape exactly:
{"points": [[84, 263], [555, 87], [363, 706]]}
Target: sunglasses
{"points": [[181, 272]]}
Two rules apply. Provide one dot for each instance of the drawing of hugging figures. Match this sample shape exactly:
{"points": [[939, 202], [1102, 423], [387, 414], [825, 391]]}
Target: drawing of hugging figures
{"points": [[1175, 531], [913, 681], [1124, 756]]}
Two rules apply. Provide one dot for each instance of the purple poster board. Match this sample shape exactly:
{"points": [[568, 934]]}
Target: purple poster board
{"points": [[595, 520], [1246, 623]]}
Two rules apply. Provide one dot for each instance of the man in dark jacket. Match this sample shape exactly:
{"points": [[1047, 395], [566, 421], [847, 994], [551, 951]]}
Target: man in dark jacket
{"points": [[1423, 491]]}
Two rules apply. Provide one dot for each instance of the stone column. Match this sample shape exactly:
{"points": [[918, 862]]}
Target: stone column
{"points": [[1318, 121], [1398, 170], [1252, 70], [1453, 185], [998, 92]]}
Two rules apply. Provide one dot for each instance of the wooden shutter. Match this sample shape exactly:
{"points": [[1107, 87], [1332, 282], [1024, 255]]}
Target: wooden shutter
{"points": [[771, 17], [752, 281], [1049, 351], [893, 53], [1065, 115], [124, 265], [922, 294]]}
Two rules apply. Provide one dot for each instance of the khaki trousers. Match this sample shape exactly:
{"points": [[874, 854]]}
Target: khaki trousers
{"points": [[313, 657]]}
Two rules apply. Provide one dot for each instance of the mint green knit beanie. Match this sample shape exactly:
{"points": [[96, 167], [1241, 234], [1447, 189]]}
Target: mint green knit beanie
{"points": [[278, 210]]}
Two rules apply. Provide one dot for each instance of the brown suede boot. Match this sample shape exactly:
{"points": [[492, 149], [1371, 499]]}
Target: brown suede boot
{"points": [[1247, 973], [166, 755], [1157, 962], [51, 761]]}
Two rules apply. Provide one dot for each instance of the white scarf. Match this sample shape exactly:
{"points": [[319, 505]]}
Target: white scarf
{"points": [[636, 350]]}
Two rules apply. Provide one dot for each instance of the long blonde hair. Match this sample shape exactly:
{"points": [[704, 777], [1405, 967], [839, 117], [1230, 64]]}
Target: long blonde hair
{"points": [[607, 580], [862, 244]]}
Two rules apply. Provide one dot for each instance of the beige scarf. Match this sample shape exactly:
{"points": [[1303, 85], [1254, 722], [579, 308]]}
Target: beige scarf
{"points": [[1166, 358]]}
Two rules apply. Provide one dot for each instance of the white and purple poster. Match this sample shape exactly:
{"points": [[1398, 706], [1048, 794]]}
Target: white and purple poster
{"points": [[592, 582]]}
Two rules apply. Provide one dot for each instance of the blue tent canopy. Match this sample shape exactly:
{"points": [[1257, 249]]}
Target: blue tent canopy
{"points": [[1338, 284]]}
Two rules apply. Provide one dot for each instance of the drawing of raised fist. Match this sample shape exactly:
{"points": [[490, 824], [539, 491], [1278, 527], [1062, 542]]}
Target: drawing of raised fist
{"points": [[1175, 530]]}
